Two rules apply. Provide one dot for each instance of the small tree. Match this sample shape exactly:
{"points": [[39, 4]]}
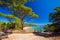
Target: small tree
{"points": [[49, 28]]}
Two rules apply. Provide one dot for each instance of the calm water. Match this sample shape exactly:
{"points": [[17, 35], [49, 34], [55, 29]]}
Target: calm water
{"points": [[37, 28]]}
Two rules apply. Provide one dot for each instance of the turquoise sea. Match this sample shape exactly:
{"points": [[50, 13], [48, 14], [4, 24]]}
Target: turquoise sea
{"points": [[37, 28]]}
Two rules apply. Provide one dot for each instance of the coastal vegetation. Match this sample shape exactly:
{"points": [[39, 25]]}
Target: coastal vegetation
{"points": [[19, 12], [54, 17]]}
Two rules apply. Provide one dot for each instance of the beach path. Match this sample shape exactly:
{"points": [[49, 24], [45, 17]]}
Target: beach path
{"points": [[29, 36]]}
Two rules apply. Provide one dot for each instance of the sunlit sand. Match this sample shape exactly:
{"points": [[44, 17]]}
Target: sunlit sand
{"points": [[29, 36]]}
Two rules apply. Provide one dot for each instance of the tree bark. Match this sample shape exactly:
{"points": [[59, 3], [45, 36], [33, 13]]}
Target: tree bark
{"points": [[22, 23]]}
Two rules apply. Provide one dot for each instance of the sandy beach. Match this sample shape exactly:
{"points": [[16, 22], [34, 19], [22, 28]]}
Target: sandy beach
{"points": [[29, 36]]}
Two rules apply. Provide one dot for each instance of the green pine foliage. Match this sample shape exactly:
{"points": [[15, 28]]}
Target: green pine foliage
{"points": [[18, 9]]}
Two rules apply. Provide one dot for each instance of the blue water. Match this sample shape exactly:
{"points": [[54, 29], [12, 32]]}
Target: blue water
{"points": [[37, 28]]}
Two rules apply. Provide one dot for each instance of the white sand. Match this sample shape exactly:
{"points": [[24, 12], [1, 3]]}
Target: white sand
{"points": [[25, 28], [30, 36]]}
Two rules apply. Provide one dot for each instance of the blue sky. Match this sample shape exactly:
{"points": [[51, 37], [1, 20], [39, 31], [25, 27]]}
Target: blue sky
{"points": [[40, 7]]}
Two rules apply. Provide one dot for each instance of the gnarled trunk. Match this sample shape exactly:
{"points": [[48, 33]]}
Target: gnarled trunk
{"points": [[22, 23]]}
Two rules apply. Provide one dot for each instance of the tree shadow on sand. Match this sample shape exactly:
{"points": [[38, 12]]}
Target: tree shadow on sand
{"points": [[4, 34], [46, 35]]}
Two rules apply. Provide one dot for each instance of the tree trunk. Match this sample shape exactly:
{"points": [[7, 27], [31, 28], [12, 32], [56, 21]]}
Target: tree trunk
{"points": [[22, 23]]}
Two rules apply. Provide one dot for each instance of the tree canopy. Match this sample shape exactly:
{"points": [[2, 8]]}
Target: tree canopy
{"points": [[10, 16], [18, 9], [55, 19], [55, 16]]}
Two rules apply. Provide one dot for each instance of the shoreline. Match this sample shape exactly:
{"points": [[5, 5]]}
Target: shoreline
{"points": [[25, 28]]}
